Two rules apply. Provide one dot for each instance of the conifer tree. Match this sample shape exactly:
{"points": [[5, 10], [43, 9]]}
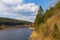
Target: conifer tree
{"points": [[38, 19]]}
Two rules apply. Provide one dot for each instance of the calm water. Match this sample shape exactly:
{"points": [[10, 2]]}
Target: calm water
{"points": [[16, 34]]}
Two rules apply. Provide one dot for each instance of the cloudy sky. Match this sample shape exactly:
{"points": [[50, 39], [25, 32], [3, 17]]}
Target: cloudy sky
{"points": [[22, 9]]}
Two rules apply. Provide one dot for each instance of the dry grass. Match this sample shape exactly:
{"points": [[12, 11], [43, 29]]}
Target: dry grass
{"points": [[47, 28]]}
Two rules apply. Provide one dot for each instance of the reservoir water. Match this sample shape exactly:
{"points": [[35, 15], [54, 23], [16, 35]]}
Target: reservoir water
{"points": [[15, 34]]}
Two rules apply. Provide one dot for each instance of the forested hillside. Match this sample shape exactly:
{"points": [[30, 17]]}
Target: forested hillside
{"points": [[6, 23], [13, 21], [47, 24]]}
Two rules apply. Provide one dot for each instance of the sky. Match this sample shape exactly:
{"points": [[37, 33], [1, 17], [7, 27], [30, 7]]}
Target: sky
{"points": [[23, 9]]}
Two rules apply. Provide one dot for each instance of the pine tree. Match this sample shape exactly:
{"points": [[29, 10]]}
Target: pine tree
{"points": [[38, 18]]}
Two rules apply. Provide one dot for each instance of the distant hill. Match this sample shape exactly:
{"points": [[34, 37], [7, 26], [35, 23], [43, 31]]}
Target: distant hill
{"points": [[9, 21]]}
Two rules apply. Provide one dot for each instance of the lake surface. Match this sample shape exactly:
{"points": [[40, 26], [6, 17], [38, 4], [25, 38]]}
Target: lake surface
{"points": [[16, 34]]}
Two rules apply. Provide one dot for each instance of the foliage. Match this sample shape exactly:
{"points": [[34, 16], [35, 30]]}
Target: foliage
{"points": [[38, 18], [43, 16], [50, 12], [57, 6], [41, 19], [9, 20], [56, 33]]}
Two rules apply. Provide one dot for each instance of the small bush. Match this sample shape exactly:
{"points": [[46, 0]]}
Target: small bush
{"points": [[56, 33]]}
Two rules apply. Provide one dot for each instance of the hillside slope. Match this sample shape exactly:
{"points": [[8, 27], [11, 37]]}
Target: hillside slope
{"points": [[8, 23], [47, 29], [9, 20], [50, 28]]}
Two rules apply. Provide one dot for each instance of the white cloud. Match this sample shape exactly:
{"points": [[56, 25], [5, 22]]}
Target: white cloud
{"points": [[28, 18], [30, 7], [12, 1], [17, 8]]}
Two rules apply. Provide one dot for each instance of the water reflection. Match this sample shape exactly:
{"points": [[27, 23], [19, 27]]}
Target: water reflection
{"points": [[16, 34]]}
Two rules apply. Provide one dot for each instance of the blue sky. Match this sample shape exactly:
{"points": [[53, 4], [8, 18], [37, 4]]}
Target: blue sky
{"points": [[43, 3], [23, 9]]}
